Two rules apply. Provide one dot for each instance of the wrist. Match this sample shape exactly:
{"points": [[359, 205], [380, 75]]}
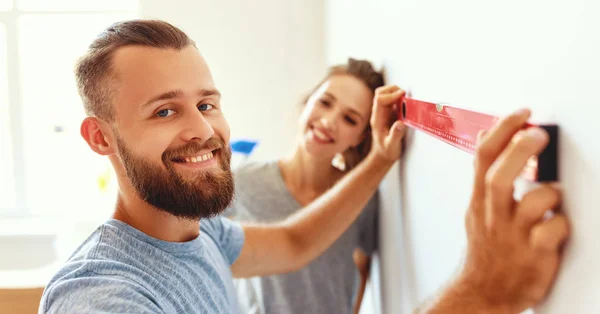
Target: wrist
{"points": [[465, 289], [377, 160]]}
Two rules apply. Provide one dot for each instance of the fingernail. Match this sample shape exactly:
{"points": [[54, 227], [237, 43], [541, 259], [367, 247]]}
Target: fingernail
{"points": [[523, 112], [538, 134], [480, 134], [400, 126]]}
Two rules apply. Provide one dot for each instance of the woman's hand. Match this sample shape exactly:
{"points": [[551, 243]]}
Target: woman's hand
{"points": [[387, 130]]}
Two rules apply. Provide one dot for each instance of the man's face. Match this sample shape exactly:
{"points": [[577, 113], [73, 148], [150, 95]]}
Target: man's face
{"points": [[171, 135]]}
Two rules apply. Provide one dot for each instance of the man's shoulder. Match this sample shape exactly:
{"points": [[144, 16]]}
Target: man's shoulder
{"points": [[106, 253], [79, 288], [108, 273], [94, 280]]}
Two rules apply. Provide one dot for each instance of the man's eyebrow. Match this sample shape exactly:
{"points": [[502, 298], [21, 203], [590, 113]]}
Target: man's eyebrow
{"points": [[179, 93], [164, 96]]}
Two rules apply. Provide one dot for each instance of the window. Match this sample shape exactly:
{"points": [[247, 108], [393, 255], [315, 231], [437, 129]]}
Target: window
{"points": [[56, 173]]}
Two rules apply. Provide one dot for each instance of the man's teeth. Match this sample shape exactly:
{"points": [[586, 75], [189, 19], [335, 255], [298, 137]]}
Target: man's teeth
{"points": [[200, 158], [321, 135]]}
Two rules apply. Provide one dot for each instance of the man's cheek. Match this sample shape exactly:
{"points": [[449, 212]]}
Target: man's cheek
{"points": [[221, 128], [151, 145]]}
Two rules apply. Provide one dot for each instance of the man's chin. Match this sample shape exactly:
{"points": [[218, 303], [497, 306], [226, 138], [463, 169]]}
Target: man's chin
{"points": [[192, 217], [199, 204]]}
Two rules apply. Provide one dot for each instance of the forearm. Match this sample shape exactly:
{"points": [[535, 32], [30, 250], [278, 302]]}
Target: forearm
{"points": [[314, 228], [462, 298]]}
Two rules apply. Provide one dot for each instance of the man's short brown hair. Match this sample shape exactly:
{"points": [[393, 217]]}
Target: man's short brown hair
{"points": [[95, 79]]}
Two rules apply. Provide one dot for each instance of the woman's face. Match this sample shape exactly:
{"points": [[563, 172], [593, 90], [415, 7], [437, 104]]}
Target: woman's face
{"points": [[335, 116]]}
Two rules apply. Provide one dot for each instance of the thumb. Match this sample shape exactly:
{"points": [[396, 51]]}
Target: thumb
{"points": [[394, 138]]}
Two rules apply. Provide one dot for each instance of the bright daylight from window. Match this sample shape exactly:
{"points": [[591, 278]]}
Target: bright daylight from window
{"points": [[41, 109]]}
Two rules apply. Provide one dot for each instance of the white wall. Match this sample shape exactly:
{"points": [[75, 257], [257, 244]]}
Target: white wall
{"points": [[492, 57], [264, 55]]}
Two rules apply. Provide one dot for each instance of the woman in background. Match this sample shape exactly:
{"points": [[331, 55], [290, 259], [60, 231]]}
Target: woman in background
{"points": [[334, 137]]}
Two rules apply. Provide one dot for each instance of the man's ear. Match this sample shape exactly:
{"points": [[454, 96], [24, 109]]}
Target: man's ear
{"points": [[97, 136]]}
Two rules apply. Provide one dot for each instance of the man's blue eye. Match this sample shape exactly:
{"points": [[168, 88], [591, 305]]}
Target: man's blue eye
{"points": [[205, 107], [164, 113]]}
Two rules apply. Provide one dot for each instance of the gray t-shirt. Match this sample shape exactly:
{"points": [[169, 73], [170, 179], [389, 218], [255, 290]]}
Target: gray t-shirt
{"points": [[328, 284], [120, 269]]}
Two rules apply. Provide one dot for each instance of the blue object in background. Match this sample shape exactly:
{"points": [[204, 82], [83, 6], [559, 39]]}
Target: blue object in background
{"points": [[241, 150], [244, 147]]}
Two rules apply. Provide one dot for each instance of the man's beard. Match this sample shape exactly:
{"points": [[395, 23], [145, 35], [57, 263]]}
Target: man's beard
{"points": [[201, 195]]}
